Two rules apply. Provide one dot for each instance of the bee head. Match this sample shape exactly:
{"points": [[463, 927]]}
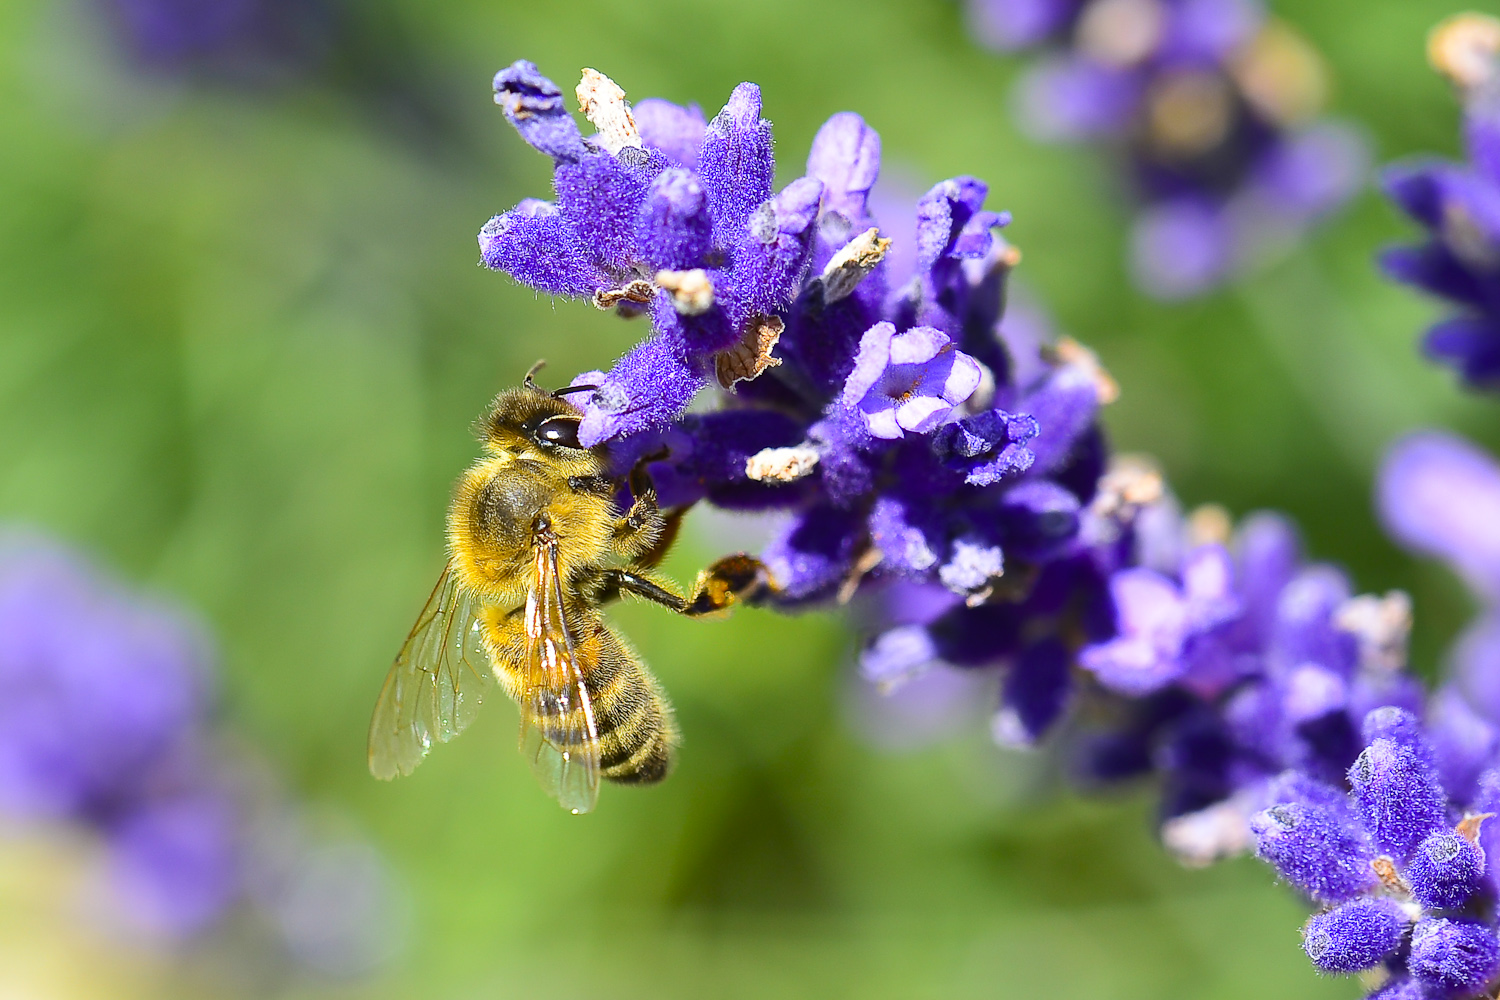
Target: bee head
{"points": [[532, 419]]}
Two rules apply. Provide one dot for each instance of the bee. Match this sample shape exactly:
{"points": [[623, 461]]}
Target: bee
{"points": [[537, 546]]}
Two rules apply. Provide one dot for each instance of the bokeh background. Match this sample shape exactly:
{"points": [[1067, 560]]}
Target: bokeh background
{"points": [[243, 337]]}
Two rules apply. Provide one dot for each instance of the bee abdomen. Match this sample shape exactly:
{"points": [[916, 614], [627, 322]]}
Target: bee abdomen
{"points": [[637, 733]]}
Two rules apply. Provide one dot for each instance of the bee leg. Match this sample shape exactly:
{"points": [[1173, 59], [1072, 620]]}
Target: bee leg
{"points": [[734, 578], [671, 524], [644, 534], [611, 583], [602, 486]]}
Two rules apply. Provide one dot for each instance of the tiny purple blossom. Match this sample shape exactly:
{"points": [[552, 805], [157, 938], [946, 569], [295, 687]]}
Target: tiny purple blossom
{"points": [[908, 382]]}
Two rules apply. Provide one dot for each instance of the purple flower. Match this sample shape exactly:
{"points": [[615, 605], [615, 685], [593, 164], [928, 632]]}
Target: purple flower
{"points": [[1458, 204], [1209, 107], [1445, 870], [1396, 788], [677, 220], [1007, 25], [100, 694], [1440, 496], [106, 725], [1181, 248], [1159, 622], [907, 382], [1313, 838]]}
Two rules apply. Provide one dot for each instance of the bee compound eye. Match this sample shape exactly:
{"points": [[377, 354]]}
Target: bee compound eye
{"points": [[559, 431]]}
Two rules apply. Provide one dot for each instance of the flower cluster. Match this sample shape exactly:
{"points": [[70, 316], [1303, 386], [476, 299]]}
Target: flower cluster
{"points": [[106, 725], [1459, 205], [101, 706], [1400, 864], [1213, 109], [877, 407], [943, 465]]}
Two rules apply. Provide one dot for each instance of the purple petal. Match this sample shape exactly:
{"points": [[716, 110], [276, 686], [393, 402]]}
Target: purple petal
{"points": [[1313, 839], [870, 363], [1460, 956], [919, 414], [845, 156], [1471, 344], [1034, 695], [1148, 604], [1463, 742], [1211, 30], [1269, 555], [1354, 936], [175, 864], [814, 556], [1475, 665], [1440, 496], [674, 130], [602, 199], [1482, 132], [1008, 25], [942, 215], [1072, 99], [1445, 871], [1064, 408], [1416, 187], [1037, 518], [918, 345], [1399, 796], [897, 655], [1179, 249], [534, 105], [1317, 170]]}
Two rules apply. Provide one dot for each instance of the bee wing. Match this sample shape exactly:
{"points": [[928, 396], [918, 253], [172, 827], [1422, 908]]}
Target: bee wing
{"points": [[559, 737], [435, 686]]}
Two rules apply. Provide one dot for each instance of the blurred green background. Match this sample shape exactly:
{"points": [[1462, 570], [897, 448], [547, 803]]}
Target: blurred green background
{"points": [[242, 340]]}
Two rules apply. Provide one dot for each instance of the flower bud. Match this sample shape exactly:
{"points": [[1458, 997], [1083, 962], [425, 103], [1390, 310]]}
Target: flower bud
{"points": [[1445, 870], [1354, 936], [1314, 841], [1456, 955], [1398, 794]]}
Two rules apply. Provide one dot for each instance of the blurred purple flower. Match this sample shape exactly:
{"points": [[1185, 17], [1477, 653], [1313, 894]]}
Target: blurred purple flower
{"points": [[106, 724], [1211, 108], [1459, 206], [233, 38]]}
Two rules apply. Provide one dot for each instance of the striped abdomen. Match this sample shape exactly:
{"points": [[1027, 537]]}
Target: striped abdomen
{"points": [[637, 732]]}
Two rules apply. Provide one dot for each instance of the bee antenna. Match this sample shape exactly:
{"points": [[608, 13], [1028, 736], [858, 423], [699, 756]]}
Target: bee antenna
{"points": [[527, 381], [568, 390]]}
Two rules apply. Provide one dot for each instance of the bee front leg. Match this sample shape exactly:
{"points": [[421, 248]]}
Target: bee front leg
{"points": [[645, 534]]}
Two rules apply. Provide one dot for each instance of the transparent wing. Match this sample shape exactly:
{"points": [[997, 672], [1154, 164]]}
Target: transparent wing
{"points": [[559, 737], [435, 686]]}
